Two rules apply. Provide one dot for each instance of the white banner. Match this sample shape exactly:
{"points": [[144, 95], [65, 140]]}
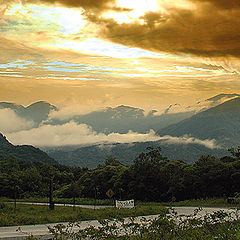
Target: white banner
{"points": [[125, 204]]}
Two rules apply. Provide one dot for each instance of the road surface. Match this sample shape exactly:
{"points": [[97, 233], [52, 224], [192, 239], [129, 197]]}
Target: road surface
{"points": [[66, 205]]}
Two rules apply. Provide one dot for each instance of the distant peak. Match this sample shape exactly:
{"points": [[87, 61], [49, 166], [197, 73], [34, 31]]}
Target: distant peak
{"points": [[124, 108], [3, 140], [127, 107], [41, 104], [223, 95]]}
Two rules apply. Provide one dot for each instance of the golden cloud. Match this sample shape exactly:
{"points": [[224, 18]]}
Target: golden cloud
{"points": [[204, 31], [211, 29]]}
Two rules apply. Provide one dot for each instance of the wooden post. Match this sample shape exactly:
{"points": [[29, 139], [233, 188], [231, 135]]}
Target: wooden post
{"points": [[51, 203]]}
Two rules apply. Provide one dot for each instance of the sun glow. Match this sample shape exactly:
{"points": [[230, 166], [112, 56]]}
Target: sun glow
{"points": [[164, 5], [141, 7], [66, 20], [94, 46]]}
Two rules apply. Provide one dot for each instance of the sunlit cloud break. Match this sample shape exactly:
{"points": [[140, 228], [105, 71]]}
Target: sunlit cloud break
{"points": [[73, 133]]}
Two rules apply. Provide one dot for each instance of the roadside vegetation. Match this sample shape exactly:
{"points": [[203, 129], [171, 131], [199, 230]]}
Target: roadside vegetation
{"points": [[32, 214]]}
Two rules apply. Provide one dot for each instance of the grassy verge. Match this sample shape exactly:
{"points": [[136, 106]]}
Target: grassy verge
{"points": [[32, 214]]}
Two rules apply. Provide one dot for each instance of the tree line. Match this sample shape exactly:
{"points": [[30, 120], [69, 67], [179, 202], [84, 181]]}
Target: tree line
{"points": [[151, 177]]}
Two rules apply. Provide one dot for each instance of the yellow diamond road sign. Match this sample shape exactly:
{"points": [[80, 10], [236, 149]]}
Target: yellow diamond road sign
{"points": [[110, 193]]}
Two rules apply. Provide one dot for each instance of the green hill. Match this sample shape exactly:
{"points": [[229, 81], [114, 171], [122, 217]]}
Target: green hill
{"points": [[25, 152]]}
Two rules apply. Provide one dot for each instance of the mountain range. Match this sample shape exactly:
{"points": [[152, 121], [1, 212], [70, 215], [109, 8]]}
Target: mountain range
{"points": [[221, 123], [119, 119], [216, 118]]}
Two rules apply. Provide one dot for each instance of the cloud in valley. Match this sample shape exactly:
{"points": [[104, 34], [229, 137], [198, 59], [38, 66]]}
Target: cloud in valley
{"points": [[10, 122], [208, 143], [72, 133]]}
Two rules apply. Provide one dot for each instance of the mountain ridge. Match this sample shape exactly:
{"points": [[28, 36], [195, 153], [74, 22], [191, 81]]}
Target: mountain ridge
{"points": [[115, 119]]}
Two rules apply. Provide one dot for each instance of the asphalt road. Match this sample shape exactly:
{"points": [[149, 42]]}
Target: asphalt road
{"points": [[66, 205], [41, 231]]}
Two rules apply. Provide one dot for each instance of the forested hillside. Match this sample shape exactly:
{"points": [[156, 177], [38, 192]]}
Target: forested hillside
{"points": [[22, 178], [151, 177], [92, 156]]}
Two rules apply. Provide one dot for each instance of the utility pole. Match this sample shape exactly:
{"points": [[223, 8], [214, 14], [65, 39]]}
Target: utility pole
{"points": [[15, 198], [95, 196], [74, 190]]}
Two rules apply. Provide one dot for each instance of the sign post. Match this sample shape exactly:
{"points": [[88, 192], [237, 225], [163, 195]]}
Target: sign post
{"points": [[110, 193]]}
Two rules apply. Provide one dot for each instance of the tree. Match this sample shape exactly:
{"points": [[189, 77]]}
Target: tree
{"points": [[112, 161], [148, 183], [235, 153]]}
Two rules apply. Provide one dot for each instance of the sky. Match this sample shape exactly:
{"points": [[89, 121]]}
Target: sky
{"points": [[90, 54]]}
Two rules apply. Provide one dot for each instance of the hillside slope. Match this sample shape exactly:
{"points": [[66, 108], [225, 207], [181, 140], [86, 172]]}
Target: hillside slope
{"points": [[221, 123], [25, 152]]}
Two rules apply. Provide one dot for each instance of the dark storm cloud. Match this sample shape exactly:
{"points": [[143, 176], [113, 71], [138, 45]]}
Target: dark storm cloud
{"points": [[88, 5], [224, 4], [77, 3]]}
